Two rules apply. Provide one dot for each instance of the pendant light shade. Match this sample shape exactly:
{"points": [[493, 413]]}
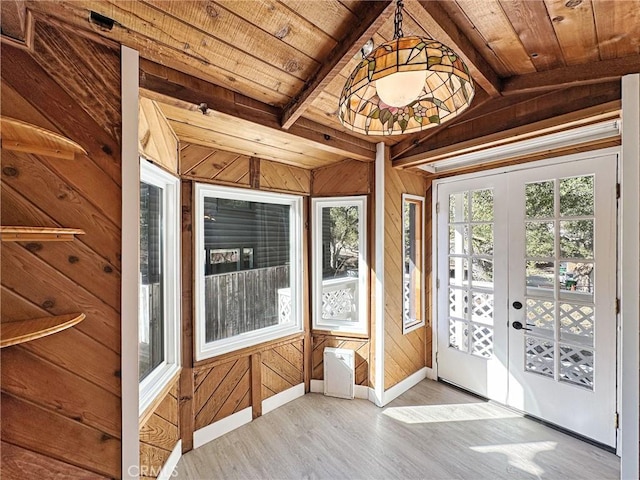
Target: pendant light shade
{"points": [[404, 86]]}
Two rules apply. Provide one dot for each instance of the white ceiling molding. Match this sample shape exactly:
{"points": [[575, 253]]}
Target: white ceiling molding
{"points": [[532, 146]]}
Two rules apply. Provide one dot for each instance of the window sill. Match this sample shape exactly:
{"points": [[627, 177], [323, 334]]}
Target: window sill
{"points": [[151, 395]]}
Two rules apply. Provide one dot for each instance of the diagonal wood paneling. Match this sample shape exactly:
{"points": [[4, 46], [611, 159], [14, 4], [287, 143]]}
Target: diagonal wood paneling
{"points": [[404, 354], [282, 368], [221, 391], [159, 434], [345, 178], [156, 140], [227, 168], [61, 412], [360, 347]]}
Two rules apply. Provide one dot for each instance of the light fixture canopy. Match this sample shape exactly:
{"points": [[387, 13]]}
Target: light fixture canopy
{"points": [[404, 86]]}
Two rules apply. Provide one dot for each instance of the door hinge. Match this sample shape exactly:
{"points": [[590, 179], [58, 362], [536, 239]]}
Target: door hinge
{"points": [[616, 420], [617, 306], [437, 207], [618, 190], [437, 283]]}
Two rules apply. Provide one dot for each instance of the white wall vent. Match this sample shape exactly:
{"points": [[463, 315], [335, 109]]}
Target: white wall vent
{"points": [[339, 374]]}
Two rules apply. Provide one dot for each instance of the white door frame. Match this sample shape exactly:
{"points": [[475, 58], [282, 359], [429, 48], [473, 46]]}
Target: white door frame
{"points": [[540, 163]]}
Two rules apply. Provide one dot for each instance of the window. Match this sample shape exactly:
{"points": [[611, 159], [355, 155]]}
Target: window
{"points": [[413, 262], [248, 268], [159, 313], [339, 264]]}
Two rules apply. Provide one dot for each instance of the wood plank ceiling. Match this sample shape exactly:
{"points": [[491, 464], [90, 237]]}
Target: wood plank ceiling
{"points": [[263, 77]]}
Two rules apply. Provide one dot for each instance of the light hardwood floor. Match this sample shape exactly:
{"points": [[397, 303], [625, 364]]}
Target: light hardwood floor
{"points": [[431, 432]]}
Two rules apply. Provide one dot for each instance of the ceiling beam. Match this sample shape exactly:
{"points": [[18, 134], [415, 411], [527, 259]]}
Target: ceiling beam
{"points": [[374, 15], [573, 75], [435, 20], [542, 111], [173, 87]]}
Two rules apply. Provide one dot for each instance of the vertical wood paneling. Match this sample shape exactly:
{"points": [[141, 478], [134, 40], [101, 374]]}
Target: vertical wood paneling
{"points": [[360, 347], [61, 412], [187, 417], [404, 354], [159, 434], [282, 368]]}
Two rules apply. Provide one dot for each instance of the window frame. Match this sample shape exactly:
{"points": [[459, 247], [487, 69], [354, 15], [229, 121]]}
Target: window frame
{"points": [[155, 382], [203, 349], [317, 204], [411, 326]]}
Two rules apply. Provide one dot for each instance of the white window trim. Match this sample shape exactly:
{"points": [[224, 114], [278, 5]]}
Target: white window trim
{"points": [[157, 380], [205, 350], [406, 328], [317, 204]]}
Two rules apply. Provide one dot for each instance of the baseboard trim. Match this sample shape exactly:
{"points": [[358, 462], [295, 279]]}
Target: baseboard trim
{"points": [[359, 391], [168, 469], [431, 374], [399, 388], [219, 428], [282, 398]]}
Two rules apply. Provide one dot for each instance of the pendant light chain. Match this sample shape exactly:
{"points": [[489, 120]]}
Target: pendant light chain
{"points": [[397, 21]]}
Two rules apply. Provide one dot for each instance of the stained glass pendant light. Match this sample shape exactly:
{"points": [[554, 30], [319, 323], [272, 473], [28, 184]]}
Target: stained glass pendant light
{"points": [[404, 86]]}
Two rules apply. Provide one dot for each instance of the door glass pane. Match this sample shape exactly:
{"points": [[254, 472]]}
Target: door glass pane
{"points": [[541, 317], [482, 341], [576, 366], [482, 239], [540, 278], [576, 323], [459, 207], [482, 272], [539, 355], [576, 239], [459, 239], [482, 307], [539, 199], [579, 283], [458, 303], [539, 239], [458, 271], [458, 335], [576, 196], [482, 206]]}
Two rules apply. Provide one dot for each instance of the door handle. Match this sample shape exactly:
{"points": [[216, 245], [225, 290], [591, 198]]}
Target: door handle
{"points": [[519, 326]]}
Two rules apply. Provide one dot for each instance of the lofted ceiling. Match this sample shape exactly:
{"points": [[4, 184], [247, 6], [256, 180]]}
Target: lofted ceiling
{"points": [[263, 77]]}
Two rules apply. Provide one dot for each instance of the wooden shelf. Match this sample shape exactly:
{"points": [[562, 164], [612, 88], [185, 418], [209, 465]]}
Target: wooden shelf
{"points": [[13, 333], [40, 234], [25, 137]]}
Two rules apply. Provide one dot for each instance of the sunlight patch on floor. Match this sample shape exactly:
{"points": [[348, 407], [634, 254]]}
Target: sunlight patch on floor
{"points": [[462, 412], [520, 455]]}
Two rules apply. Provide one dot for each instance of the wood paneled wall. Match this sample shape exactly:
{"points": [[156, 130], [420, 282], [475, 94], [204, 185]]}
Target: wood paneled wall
{"points": [[216, 388], [226, 168], [359, 346], [159, 434], [61, 413], [404, 354], [349, 177], [156, 139]]}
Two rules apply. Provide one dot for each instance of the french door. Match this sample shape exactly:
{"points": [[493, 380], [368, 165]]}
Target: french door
{"points": [[527, 288]]}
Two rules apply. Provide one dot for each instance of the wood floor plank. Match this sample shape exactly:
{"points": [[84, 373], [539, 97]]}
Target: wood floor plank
{"points": [[432, 431]]}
